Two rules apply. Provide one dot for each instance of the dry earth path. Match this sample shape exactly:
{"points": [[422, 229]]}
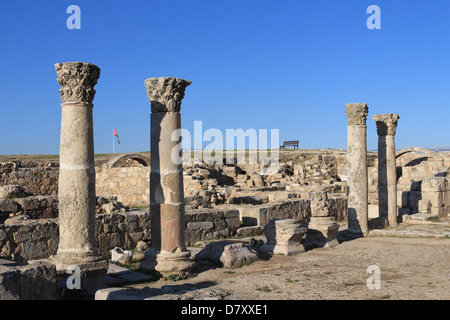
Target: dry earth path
{"points": [[410, 268]]}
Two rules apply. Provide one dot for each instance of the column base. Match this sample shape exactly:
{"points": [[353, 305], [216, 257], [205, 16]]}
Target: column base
{"points": [[393, 222], [322, 232], [378, 223], [356, 233], [167, 263], [289, 250], [355, 228], [81, 271]]}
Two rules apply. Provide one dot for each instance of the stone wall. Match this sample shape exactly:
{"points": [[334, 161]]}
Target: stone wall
{"points": [[37, 239], [130, 185], [35, 207], [260, 215], [36, 281], [122, 230], [35, 177], [435, 196], [208, 224], [298, 209], [30, 239], [412, 170]]}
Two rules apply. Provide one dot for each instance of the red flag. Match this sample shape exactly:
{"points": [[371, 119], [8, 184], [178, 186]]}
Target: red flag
{"points": [[116, 135]]}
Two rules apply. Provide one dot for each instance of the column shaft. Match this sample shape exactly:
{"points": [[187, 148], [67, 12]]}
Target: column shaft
{"points": [[76, 186], [387, 168], [168, 254], [357, 179], [391, 180], [382, 178], [357, 168], [166, 184]]}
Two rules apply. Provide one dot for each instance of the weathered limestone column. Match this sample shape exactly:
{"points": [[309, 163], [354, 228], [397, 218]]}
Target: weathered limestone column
{"points": [[357, 168], [168, 254], [387, 169], [76, 188], [322, 226]]}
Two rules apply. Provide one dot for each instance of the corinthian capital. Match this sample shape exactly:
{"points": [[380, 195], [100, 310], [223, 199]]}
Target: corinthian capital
{"points": [[386, 123], [77, 81], [356, 113], [166, 93]]}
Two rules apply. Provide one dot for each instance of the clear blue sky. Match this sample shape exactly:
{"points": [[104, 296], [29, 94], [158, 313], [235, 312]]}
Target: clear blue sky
{"points": [[290, 65]]}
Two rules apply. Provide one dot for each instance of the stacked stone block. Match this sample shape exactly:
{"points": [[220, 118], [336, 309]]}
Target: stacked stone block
{"points": [[435, 196], [285, 236], [322, 227]]}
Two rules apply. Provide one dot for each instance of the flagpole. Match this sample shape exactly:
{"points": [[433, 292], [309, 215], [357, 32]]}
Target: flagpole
{"points": [[113, 139]]}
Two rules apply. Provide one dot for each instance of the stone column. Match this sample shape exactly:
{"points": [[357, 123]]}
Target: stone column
{"points": [[357, 168], [322, 226], [76, 186], [387, 169], [168, 254]]}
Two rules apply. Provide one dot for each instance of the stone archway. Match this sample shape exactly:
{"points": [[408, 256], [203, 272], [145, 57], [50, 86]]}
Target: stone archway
{"points": [[145, 161], [423, 151], [420, 154]]}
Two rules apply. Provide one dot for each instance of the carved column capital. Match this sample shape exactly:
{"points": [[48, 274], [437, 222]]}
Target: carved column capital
{"points": [[356, 113], [77, 81], [166, 93], [386, 123]]}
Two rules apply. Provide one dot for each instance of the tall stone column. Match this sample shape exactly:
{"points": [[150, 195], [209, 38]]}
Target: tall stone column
{"points": [[357, 168], [168, 254], [76, 186], [387, 171]]}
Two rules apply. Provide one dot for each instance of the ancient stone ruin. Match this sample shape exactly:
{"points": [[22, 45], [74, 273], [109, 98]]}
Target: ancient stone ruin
{"points": [[322, 227], [78, 215], [76, 185], [387, 168], [357, 167], [168, 253]]}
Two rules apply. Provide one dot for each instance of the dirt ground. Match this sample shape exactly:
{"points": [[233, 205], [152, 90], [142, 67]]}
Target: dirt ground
{"points": [[410, 268]]}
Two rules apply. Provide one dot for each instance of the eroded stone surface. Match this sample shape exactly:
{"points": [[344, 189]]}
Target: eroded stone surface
{"points": [[36, 281], [285, 235], [387, 168], [168, 253], [77, 81], [227, 253], [166, 93], [322, 227], [357, 167], [76, 185], [386, 123], [356, 113]]}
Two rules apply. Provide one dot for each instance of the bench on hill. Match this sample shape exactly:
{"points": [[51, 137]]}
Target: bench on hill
{"points": [[290, 144]]}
